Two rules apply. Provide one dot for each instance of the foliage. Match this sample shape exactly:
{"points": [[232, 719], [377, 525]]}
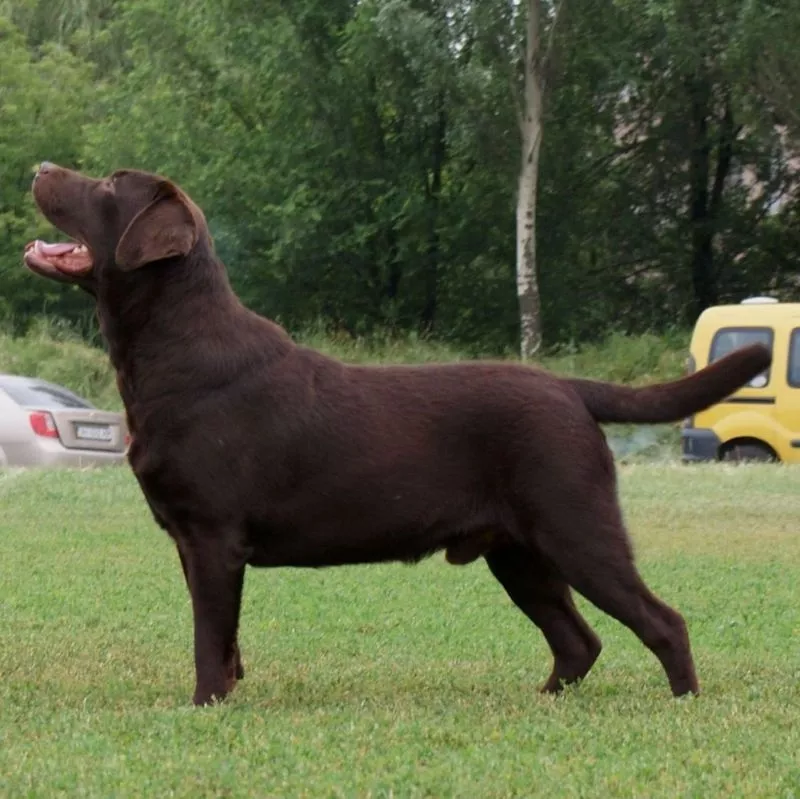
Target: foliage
{"points": [[42, 96], [358, 161], [53, 352]]}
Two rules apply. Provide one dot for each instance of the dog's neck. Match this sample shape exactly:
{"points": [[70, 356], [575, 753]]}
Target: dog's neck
{"points": [[182, 331]]}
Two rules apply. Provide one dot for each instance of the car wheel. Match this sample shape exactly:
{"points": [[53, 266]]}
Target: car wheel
{"points": [[748, 452]]}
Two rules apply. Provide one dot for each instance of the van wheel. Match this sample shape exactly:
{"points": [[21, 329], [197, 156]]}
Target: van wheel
{"points": [[742, 452]]}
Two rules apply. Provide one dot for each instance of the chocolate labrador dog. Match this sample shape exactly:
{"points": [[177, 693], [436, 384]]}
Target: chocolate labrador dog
{"points": [[252, 450]]}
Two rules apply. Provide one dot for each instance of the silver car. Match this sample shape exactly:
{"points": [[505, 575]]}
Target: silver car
{"points": [[42, 424]]}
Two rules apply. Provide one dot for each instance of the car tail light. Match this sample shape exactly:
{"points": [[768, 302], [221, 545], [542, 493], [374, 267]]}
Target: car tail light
{"points": [[42, 424]]}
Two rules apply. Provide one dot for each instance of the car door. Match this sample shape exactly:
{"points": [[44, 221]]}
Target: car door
{"points": [[787, 407]]}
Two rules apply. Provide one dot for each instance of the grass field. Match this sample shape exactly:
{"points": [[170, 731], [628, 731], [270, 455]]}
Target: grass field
{"points": [[392, 680]]}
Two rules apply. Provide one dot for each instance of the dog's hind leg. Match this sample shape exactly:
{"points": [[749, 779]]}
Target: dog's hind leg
{"points": [[543, 596], [582, 533]]}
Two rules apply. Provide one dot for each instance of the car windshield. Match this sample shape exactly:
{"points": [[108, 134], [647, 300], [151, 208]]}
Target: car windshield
{"points": [[35, 394]]}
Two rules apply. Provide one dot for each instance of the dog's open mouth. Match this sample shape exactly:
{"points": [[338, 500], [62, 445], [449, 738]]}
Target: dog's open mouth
{"points": [[68, 258]]}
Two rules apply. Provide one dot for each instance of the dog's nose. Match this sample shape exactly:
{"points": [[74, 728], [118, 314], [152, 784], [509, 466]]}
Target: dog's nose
{"points": [[45, 167]]}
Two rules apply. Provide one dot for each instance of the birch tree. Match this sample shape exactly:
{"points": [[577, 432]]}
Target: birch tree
{"points": [[538, 51]]}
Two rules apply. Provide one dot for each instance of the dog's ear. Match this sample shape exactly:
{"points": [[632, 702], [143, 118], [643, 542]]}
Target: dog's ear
{"points": [[164, 229]]}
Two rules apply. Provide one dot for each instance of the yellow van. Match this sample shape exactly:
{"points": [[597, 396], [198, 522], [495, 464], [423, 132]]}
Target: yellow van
{"points": [[762, 420]]}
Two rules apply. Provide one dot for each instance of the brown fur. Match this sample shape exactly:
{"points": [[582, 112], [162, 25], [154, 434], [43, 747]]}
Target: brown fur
{"points": [[252, 450]]}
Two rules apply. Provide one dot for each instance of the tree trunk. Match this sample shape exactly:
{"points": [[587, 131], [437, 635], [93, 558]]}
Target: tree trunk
{"points": [[702, 256], [388, 244], [433, 190], [531, 133], [705, 205]]}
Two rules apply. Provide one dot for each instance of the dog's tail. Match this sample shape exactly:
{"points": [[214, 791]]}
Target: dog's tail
{"points": [[670, 402]]}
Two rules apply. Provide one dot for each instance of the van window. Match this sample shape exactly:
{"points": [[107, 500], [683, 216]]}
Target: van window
{"points": [[793, 376], [728, 339]]}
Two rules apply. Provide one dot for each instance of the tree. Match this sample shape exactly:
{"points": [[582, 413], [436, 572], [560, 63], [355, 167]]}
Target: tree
{"points": [[342, 151], [360, 162], [538, 52], [773, 28], [42, 109]]}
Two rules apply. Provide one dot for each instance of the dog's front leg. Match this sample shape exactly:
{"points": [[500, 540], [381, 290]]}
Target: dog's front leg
{"points": [[215, 581], [237, 665]]}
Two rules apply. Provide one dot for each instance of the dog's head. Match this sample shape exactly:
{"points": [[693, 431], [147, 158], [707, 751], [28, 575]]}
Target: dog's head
{"points": [[117, 224]]}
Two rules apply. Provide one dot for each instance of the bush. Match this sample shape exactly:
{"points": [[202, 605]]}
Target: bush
{"points": [[55, 352], [646, 358]]}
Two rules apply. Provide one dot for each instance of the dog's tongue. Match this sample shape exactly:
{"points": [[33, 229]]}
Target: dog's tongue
{"points": [[68, 257], [55, 249]]}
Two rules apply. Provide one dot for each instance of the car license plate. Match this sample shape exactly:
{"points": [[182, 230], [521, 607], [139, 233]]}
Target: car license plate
{"points": [[93, 432]]}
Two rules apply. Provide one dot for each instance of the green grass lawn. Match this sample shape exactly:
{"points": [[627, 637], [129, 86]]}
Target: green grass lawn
{"points": [[393, 680]]}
